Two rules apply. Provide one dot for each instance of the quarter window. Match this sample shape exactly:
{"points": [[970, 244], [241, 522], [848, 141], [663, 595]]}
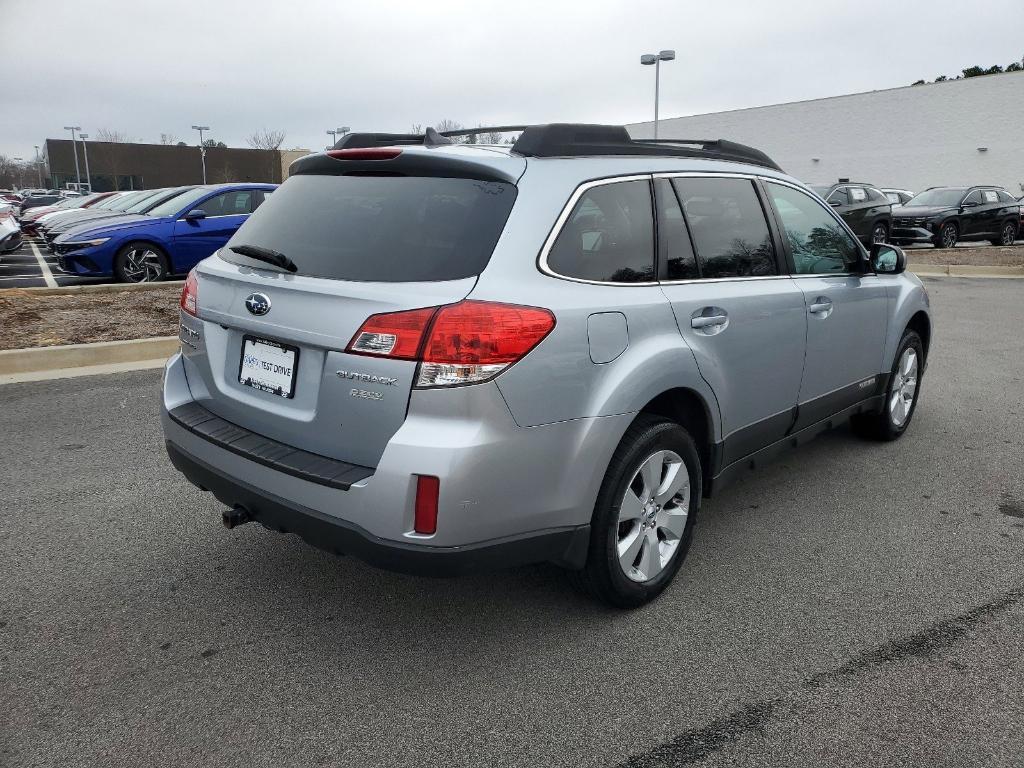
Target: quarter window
{"points": [[609, 236], [818, 242], [728, 227]]}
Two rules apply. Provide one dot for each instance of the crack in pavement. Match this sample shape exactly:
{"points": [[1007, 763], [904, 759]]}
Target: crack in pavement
{"points": [[695, 745]]}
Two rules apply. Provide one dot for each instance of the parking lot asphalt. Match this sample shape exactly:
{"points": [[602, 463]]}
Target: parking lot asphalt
{"points": [[32, 266], [851, 604]]}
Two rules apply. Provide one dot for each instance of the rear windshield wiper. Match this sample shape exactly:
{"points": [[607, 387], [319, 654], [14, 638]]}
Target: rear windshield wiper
{"points": [[267, 255]]}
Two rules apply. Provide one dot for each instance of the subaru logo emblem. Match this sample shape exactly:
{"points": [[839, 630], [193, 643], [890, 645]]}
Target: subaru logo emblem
{"points": [[257, 303]]}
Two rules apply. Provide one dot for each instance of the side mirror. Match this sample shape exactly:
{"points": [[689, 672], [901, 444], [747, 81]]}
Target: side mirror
{"points": [[888, 259], [195, 214], [835, 203], [968, 204]]}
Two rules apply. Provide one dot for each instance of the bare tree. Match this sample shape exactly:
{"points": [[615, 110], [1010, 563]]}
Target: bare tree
{"points": [[417, 129], [114, 137], [168, 138], [452, 125], [266, 139]]}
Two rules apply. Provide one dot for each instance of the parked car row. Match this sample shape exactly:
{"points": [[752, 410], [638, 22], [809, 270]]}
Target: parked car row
{"points": [[144, 235], [942, 216]]}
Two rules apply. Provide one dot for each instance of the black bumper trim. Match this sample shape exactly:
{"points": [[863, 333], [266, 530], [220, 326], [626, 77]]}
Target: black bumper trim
{"points": [[270, 453], [563, 546]]}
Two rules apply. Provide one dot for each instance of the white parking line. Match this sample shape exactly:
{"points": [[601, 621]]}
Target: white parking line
{"points": [[44, 267]]}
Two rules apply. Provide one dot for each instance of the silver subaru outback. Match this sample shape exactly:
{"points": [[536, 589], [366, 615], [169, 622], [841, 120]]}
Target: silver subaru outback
{"points": [[439, 357]]}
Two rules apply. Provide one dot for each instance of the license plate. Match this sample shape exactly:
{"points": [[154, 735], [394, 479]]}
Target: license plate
{"points": [[268, 366]]}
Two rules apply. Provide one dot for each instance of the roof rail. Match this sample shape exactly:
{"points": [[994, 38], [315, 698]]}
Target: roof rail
{"points": [[573, 140]]}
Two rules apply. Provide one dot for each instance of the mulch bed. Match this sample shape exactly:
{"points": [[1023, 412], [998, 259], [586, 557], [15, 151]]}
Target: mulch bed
{"points": [[32, 320]]}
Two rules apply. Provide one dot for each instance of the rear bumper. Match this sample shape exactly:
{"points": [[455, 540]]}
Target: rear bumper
{"points": [[564, 546], [509, 495]]}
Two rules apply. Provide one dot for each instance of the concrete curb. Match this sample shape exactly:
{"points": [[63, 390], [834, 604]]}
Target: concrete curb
{"points": [[105, 288], [964, 270], [72, 357]]}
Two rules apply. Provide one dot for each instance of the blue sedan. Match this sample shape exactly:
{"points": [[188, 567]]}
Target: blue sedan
{"points": [[171, 238]]}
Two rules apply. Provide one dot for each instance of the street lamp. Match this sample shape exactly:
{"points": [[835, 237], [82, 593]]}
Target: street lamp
{"points": [[202, 147], [39, 166], [21, 172], [85, 151], [333, 133], [656, 58], [74, 148]]}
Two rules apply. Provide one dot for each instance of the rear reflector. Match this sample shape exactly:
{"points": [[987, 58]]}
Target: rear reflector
{"points": [[427, 490], [368, 153], [190, 294], [464, 343]]}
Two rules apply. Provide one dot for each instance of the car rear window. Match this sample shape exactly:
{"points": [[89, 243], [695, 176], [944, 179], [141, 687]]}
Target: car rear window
{"points": [[379, 228]]}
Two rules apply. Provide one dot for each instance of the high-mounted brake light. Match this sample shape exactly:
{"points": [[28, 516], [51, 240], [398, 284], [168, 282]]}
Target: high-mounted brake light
{"points": [[366, 153], [464, 343], [190, 294]]}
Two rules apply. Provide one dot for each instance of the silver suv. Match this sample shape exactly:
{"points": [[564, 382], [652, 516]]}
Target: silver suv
{"points": [[439, 357]]}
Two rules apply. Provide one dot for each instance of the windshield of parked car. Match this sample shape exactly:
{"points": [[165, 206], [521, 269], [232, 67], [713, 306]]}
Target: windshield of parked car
{"points": [[379, 228], [179, 202], [125, 201], [949, 196], [162, 196]]}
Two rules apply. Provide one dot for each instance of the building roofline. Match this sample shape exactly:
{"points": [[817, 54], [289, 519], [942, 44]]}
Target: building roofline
{"points": [[827, 98]]}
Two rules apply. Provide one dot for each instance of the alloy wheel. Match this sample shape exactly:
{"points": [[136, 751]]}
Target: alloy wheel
{"points": [[878, 236], [652, 516], [142, 265], [949, 236], [1009, 235], [904, 388]]}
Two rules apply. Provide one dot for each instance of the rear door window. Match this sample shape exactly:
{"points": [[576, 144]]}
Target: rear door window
{"points": [[609, 236], [728, 226], [379, 228], [858, 194]]}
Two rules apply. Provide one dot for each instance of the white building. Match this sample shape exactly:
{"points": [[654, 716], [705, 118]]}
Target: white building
{"points": [[942, 134]]}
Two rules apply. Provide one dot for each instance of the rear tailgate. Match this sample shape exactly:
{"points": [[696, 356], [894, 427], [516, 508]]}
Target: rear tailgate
{"points": [[344, 406], [266, 351]]}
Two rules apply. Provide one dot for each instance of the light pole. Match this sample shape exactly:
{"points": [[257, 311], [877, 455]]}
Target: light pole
{"points": [[85, 151], [202, 147], [74, 148], [39, 166], [656, 58], [21, 172], [333, 133]]}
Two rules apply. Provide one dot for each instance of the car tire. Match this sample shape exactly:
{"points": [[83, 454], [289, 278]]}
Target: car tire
{"points": [[653, 532], [948, 235], [901, 394], [1007, 234], [140, 263], [880, 233]]}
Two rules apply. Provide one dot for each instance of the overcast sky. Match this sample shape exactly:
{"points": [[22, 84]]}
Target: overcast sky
{"points": [[146, 68]]}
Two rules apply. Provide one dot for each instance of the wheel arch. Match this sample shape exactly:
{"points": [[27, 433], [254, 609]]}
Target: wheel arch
{"points": [[922, 324], [690, 410]]}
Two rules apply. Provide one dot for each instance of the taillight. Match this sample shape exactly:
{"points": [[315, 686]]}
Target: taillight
{"points": [[428, 488], [393, 334], [464, 343], [190, 294]]}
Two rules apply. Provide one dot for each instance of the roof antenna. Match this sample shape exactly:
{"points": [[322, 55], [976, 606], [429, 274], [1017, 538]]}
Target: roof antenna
{"points": [[432, 138]]}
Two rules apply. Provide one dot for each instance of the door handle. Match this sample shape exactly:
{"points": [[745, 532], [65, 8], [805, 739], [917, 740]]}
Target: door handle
{"points": [[822, 305], [708, 321]]}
